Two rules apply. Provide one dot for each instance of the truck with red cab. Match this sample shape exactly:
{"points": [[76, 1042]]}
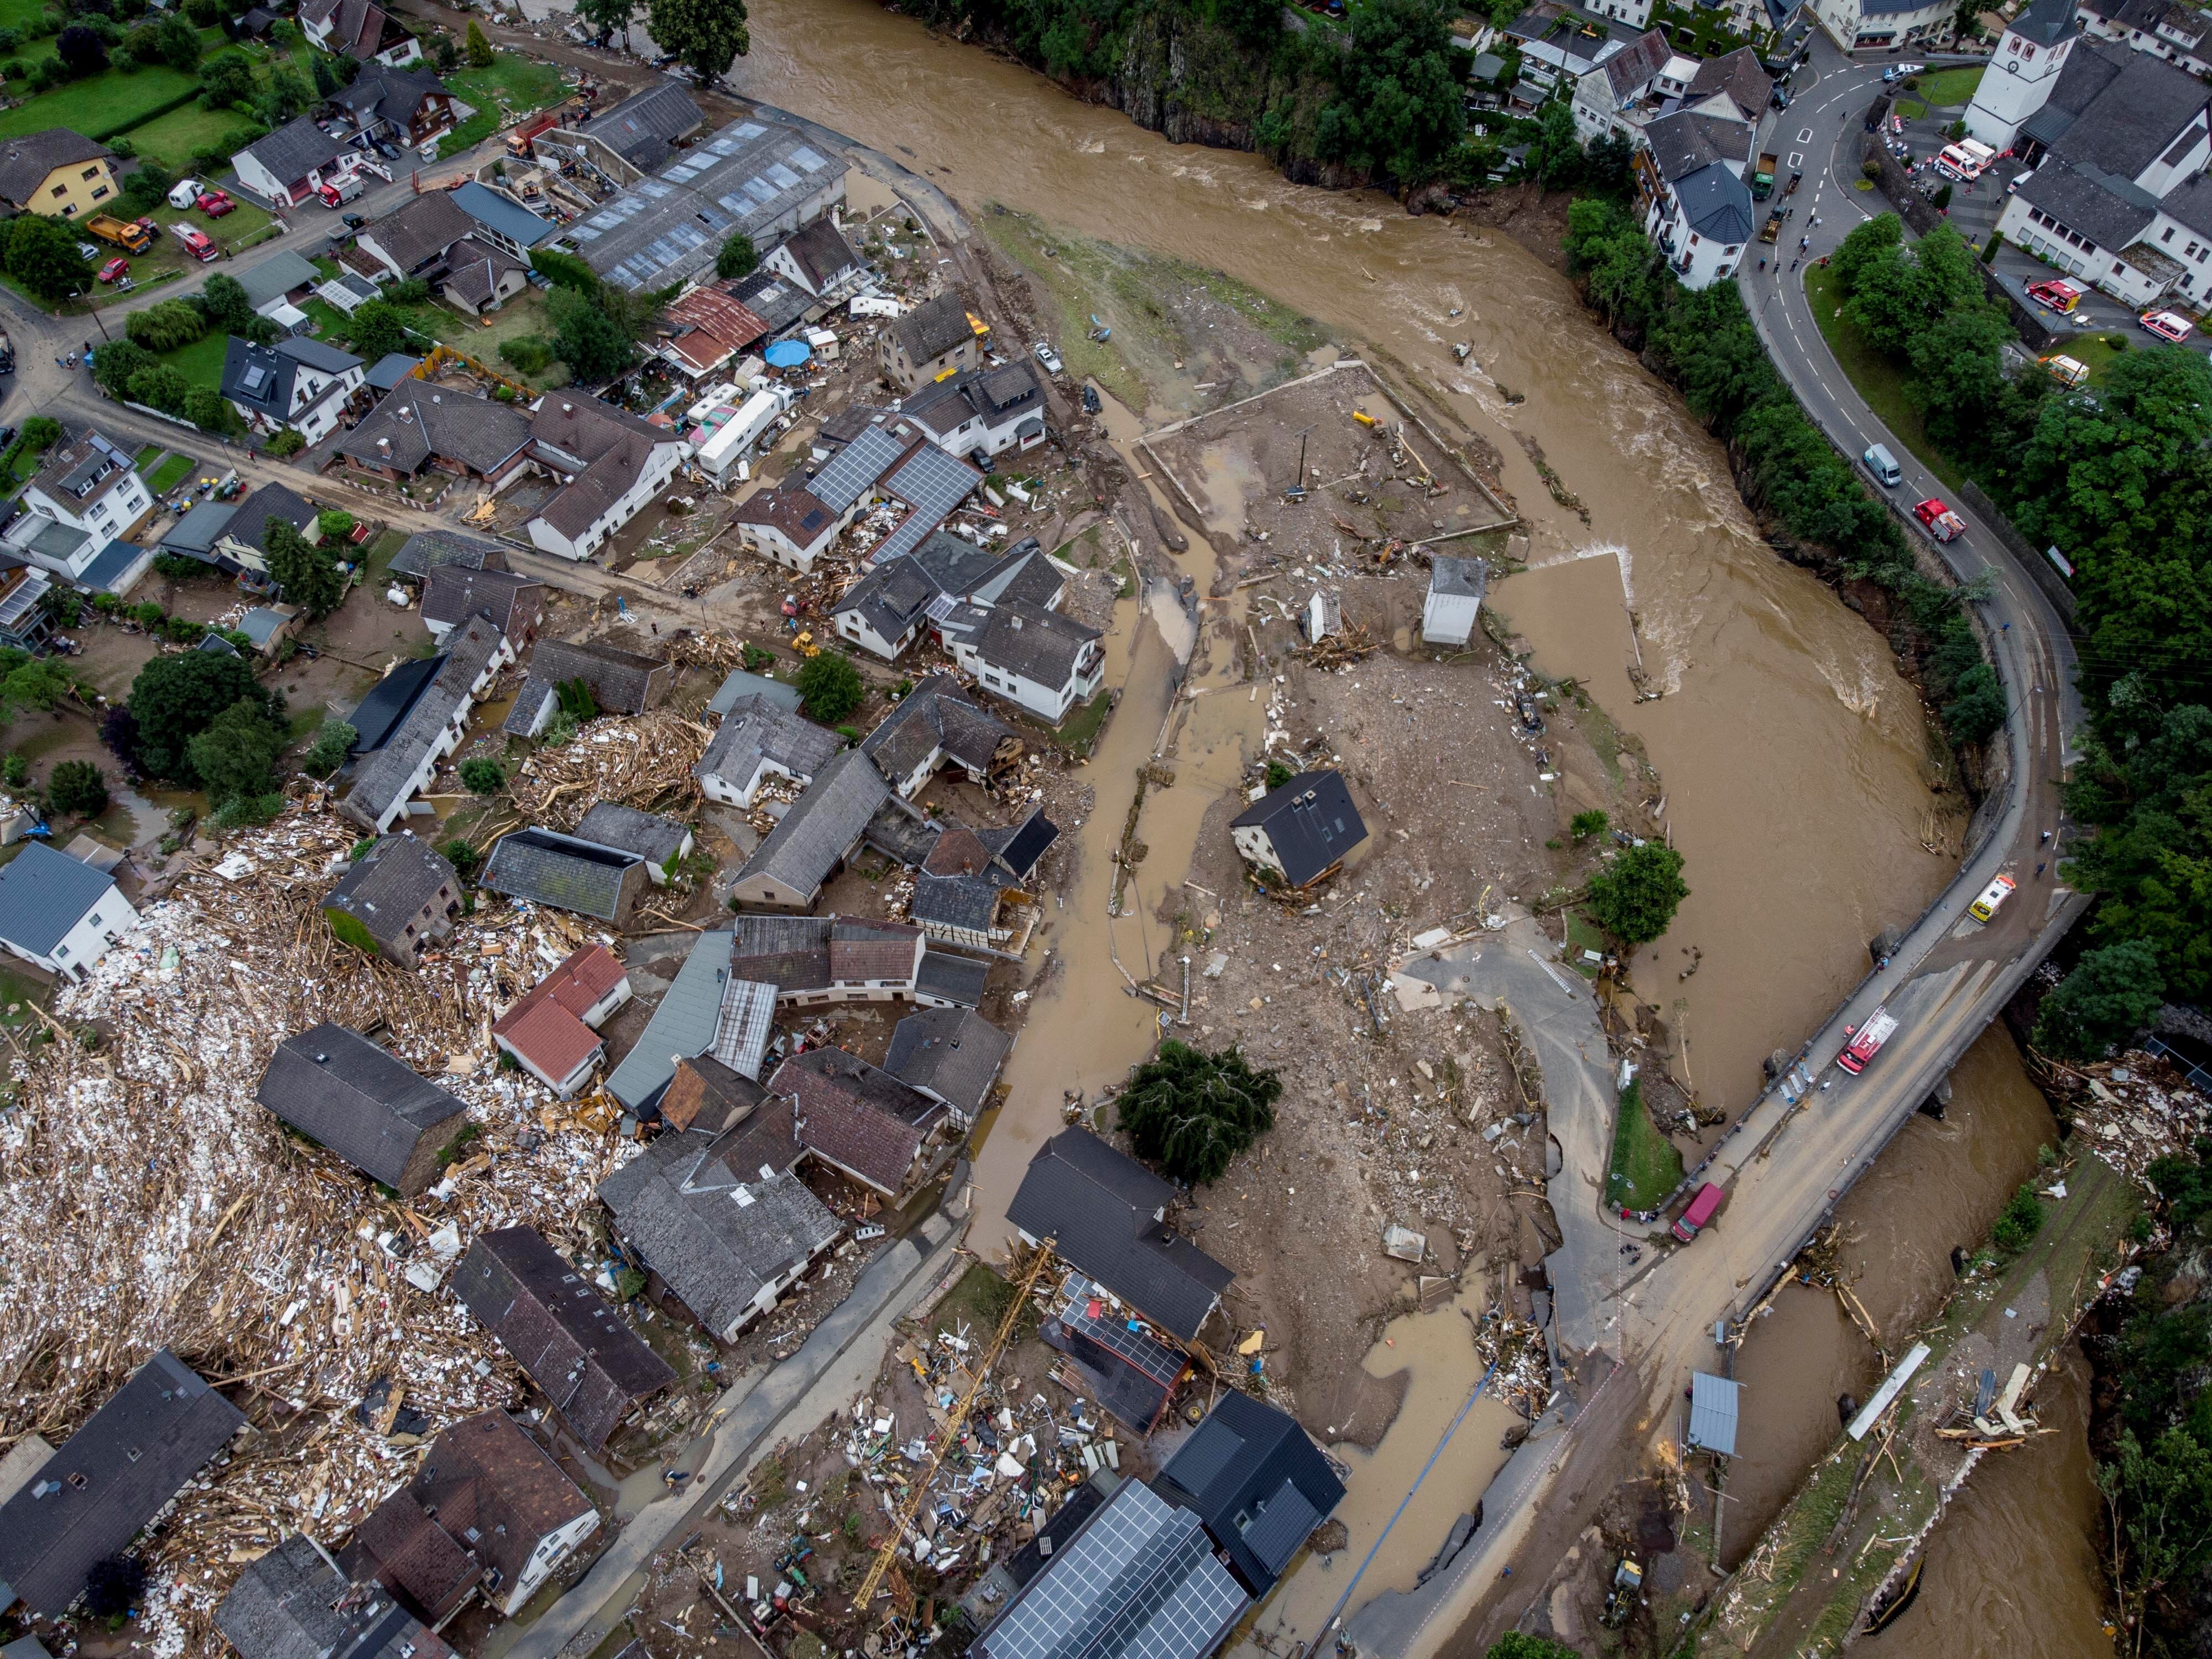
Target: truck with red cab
{"points": [[1941, 521], [339, 192], [1866, 1040], [197, 243], [1703, 1206]]}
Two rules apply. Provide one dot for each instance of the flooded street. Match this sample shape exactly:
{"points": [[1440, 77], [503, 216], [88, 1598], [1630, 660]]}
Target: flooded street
{"points": [[1795, 761]]}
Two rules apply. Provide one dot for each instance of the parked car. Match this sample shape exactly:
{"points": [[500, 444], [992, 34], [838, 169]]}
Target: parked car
{"points": [[113, 269], [354, 222], [386, 149], [1049, 358], [2166, 325], [87, 251], [216, 203], [7, 436]]}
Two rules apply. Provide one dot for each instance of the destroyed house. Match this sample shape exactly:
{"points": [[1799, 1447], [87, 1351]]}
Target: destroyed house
{"points": [[1257, 1480], [429, 729], [396, 900], [758, 740], [487, 1506], [593, 1370], [341, 1091], [1139, 1580], [708, 1095], [721, 1218], [293, 1602], [660, 841], [938, 337], [1301, 831], [544, 867], [620, 682], [552, 1029], [951, 1055], [1109, 1214], [819, 832], [107, 1482], [969, 887], [426, 550], [936, 724], [452, 593], [682, 1026], [860, 1119], [417, 429]]}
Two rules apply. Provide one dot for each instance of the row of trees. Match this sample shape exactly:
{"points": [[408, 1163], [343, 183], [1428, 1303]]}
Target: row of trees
{"points": [[707, 36]]}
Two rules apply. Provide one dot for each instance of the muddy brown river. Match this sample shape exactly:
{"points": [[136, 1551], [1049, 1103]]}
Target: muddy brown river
{"points": [[1794, 759]]}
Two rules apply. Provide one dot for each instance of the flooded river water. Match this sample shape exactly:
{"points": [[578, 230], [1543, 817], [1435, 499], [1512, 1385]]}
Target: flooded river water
{"points": [[1794, 758]]}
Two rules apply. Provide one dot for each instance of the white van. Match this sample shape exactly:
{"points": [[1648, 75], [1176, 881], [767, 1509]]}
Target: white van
{"points": [[1883, 464]]}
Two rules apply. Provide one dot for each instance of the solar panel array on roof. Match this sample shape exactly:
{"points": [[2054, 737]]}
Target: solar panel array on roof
{"points": [[848, 473], [932, 483]]}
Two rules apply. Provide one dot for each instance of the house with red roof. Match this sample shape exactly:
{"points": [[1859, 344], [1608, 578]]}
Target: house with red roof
{"points": [[552, 1031]]}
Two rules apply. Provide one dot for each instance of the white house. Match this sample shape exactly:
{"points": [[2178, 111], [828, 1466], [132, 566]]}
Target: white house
{"points": [[1301, 831], [2118, 197], [985, 411], [2022, 72], [59, 913], [2171, 29], [359, 29], [1622, 92], [612, 465], [297, 385], [1037, 659], [90, 484], [1450, 613], [1861, 25], [553, 1028], [819, 259], [795, 523], [291, 163], [399, 757], [758, 740], [1696, 206]]}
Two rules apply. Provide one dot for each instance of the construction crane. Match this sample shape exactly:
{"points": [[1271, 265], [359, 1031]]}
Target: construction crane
{"points": [[919, 1490]]}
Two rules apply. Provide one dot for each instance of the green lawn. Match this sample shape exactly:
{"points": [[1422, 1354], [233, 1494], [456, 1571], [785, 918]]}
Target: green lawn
{"points": [[1950, 89], [201, 362], [174, 472], [1645, 1165], [166, 259], [2091, 351], [524, 315], [147, 456], [104, 103], [172, 138], [1878, 381], [511, 86]]}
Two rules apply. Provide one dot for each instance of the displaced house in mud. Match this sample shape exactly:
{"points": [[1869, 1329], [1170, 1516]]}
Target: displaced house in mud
{"points": [[552, 1029], [591, 1367], [107, 1482], [951, 1055], [1301, 832], [396, 900], [344, 1093], [1453, 609]]}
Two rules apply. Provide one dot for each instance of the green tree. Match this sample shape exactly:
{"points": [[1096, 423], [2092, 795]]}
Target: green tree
{"points": [[829, 685], [79, 788], [81, 51], [180, 44], [377, 329], [587, 339], [737, 257], [707, 36], [1586, 824], [2159, 1502], [208, 410], [1518, 1644], [609, 16], [334, 741], [161, 387], [1869, 241], [462, 856], [225, 79], [577, 700], [1634, 897], [482, 775], [335, 524], [479, 48], [235, 759], [1191, 1113], [40, 434], [2111, 994], [325, 72], [228, 307], [117, 363], [2151, 859], [308, 575], [176, 698], [42, 256], [2019, 1222], [167, 326], [33, 683]]}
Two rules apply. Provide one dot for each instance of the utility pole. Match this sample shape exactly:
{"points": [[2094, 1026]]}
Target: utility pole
{"points": [[1296, 492]]}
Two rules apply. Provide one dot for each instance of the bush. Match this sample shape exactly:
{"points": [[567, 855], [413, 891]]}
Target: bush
{"points": [[737, 257], [336, 524], [1634, 898], [286, 442], [78, 788], [829, 686], [1584, 825], [14, 771], [755, 659], [2111, 994], [334, 741], [1279, 775], [235, 757], [2019, 1222], [482, 775], [478, 48], [1191, 1113], [531, 353], [464, 858]]}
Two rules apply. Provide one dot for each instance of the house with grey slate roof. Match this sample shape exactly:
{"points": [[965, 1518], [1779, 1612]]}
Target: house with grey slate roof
{"points": [[660, 841], [932, 340], [294, 1603], [951, 1055], [398, 899], [348, 1095], [620, 681], [861, 1120], [436, 715], [568, 1339], [936, 725], [819, 832], [547, 867], [297, 385], [108, 1481], [418, 428], [59, 913], [291, 163], [758, 740], [1303, 831], [426, 550], [451, 593], [1042, 662]]}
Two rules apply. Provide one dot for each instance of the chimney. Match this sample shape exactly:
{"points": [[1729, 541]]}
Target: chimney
{"points": [[384, 448]]}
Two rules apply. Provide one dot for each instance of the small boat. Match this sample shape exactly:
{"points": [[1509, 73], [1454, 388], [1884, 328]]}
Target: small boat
{"points": [[1886, 1615]]}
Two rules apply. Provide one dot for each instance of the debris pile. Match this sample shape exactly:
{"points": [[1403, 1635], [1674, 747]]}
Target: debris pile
{"points": [[643, 762], [2134, 1110], [150, 1201]]}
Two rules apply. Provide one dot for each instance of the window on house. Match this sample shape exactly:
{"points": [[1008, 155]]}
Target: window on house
{"points": [[100, 194], [61, 950]]}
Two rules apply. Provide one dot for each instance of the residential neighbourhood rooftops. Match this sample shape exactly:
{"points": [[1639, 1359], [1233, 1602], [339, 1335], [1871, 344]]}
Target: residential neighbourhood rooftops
{"points": [[249, 525], [1257, 1480], [1038, 644], [1105, 1209], [938, 713], [391, 768], [412, 235], [111, 1478], [454, 591], [568, 1339], [548, 868], [26, 162], [952, 1054], [1716, 204], [293, 1602], [277, 275], [860, 1117], [822, 825], [621, 682], [791, 953], [334, 1085], [655, 840], [295, 149], [486, 1480], [389, 370], [546, 1023], [43, 894], [1684, 141], [1737, 73], [948, 976], [758, 729]]}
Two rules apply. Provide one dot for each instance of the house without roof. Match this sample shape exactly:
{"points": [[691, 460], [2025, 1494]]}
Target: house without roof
{"points": [[552, 1029], [1303, 831], [643, 131], [547, 867], [1453, 609], [108, 1481], [396, 900], [568, 1339], [345, 1093], [620, 682], [59, 913], [297, 385]]}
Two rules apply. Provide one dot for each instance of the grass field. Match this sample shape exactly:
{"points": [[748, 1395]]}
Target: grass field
{"points": [[201, 362], [1879, 380], [524, 315], [511, 86], [1950, 89], [98, 104], [172, 472], [1645, 1165], [172, 138], [147, 456]]}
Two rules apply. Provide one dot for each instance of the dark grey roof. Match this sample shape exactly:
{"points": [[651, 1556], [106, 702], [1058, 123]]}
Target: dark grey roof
{"points": [[377, 714], [676, 1205], [821, 826], [265, 379], [198, 531], [286, 1605], [1139, 1581], [337, 1087], [655, 840], [475, 268], [683, 1024], [43, 894], [249, 525], [934, 327], [953, 1053], [547, 867], [642, 129], [1311, 821], [1020, 847], [389, 370], [2190, 201], [792, 953], [2110, 212], [964, 903], [891, 599], [26, 162], [621, 682], [1628, 71], [295, 149], [952, 977], [108, 1480], [567, 1338], [822, 252], [380, 92], [387, 886], [1738, 74], [1683, 143], [426, 550], [504, 215], [740, 685], [774, 299], [1103, 1207], [455, 592], [2045, 22], [417, 420], [1465, 578], [2141, 103], [755, 729], [416, 236], [1258, 1482], [1716, 204], [391, 768], [997, 395], [1041, 646]]}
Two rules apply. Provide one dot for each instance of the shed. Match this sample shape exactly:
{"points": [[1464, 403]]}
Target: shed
{"points": [[548, 868], [660, 841], [344, 1092], [1713, 1413], [1450, 614]]}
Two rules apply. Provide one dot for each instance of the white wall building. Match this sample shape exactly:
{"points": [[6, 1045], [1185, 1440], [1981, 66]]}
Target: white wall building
{"points": [[1858, 25], [2022, 73], [59, 913]]}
